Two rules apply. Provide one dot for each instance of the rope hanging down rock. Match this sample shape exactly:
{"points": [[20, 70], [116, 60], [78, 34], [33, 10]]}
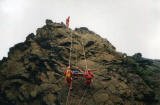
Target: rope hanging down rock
{"points": [[70, 56], [84, 56]]}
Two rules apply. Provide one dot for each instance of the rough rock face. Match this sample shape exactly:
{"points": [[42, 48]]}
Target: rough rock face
{"points": [[33, 72]]}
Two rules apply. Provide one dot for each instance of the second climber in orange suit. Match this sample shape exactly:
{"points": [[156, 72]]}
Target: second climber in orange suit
{"points": [[68, 74], [89, 76]]}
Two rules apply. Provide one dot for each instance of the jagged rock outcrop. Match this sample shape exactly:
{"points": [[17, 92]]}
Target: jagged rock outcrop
{"points": [[33, 72]]}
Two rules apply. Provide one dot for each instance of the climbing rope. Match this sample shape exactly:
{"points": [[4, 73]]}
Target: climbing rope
{"points": [[82, 96], [76, 53], [84, 56], [70, 55], [68, 96], [70, 51]]}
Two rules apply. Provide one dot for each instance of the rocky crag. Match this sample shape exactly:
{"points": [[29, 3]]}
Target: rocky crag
{"points": [[32, 74]]}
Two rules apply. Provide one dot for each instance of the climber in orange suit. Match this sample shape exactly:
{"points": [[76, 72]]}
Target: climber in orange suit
{"points": [[68, 76], [89, 76]]}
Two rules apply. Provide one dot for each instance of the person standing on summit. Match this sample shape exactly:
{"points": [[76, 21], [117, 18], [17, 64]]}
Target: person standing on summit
{"points": [[67, 21]]}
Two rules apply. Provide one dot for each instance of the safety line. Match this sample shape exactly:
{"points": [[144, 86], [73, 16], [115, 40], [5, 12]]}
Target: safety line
{"points": [[68, 96], [76, 53], [84, 57], [82, 96], [70, 52]]}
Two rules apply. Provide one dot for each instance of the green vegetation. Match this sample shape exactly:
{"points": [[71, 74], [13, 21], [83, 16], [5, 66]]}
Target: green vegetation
{"points": [[139, 65]]}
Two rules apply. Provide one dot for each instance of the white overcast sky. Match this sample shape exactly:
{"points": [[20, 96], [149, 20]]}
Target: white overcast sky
{"points": [[130, 25]]}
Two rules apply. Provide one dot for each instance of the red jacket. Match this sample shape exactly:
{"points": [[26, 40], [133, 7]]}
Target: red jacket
{"points": [[67, 21], [88, 75]]}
